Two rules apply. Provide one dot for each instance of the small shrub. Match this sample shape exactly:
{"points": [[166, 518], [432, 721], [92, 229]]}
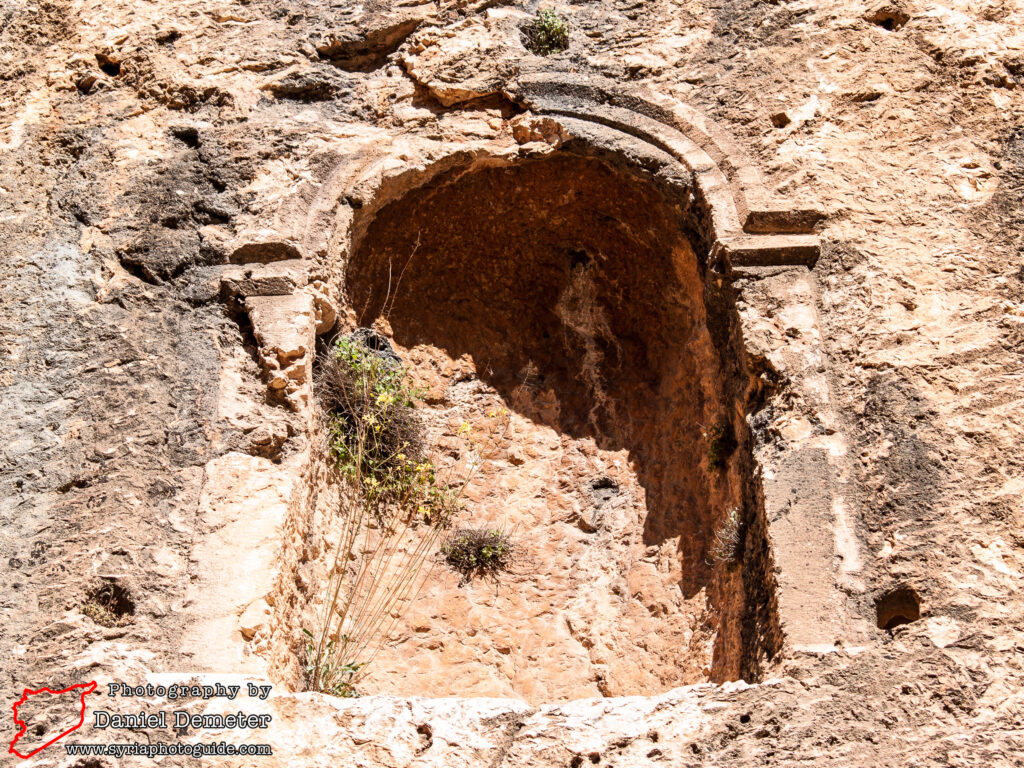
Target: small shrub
{"points": [[478, 552], [547, 34], [331, 676], [109, 605], [393, 512], [721, 442], [728, 539], [370, 405]]}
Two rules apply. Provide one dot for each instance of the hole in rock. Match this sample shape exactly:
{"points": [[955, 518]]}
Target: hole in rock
{"points": [[888, 17], [110, 65], [109, 605], [426, 734], [167, 37], [900, 606], [187, 134], [560, 307]]}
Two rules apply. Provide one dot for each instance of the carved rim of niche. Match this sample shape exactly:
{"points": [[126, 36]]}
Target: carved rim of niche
{"points": [[733, 219], [742, 221]]}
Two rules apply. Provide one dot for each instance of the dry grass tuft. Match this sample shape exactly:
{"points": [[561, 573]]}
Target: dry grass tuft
{"points": [[479, 552], [394, 508], [728, 544], [109, 605]]}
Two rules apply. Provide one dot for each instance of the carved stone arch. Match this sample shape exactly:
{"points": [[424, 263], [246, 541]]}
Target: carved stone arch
{"points": [[748, 248], [739, 217]]}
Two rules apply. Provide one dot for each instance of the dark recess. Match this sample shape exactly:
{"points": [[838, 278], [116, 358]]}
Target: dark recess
{"points": [[900, 606]]}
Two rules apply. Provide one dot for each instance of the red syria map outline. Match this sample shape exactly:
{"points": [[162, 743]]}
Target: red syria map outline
{"points": [[87, 689]]}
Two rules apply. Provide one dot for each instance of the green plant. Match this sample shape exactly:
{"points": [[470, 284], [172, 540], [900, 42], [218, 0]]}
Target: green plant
{"points": [[394, 511], [104, 616], [337, 679], [728, 541], [478, 551], [547, 34], [721, 442], [109, 605], [373, 429]]}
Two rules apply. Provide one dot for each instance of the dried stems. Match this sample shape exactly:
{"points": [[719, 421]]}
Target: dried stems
{"points": [[394, 515], [728, 543]]}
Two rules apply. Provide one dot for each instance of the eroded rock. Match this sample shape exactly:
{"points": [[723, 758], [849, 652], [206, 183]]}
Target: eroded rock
{"points": [[468, 60]]}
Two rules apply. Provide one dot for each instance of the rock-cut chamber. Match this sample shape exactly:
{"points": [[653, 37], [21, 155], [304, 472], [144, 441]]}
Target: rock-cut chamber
{"points": [[568, 293]]}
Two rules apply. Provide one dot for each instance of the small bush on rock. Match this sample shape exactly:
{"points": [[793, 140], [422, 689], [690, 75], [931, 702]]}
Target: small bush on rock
{"points": [[547, 34], [370, 402], [327, 671], [478, 552], [728, 539], [109, 605], [393, 511], [721, 442]]}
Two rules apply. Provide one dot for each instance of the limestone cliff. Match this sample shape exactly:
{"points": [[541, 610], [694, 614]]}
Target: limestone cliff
{"points": [[737, 270]]}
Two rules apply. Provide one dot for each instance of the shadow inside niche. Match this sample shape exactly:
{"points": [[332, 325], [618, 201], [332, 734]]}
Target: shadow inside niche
{"points": [[580, 300]]}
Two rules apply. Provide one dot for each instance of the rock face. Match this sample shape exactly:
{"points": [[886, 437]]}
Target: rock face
{"points": [[800, 221], [470, 59]]}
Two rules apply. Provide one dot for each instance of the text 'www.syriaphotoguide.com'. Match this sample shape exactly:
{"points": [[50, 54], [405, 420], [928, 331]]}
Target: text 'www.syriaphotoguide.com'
{"points": [[160, 749]]}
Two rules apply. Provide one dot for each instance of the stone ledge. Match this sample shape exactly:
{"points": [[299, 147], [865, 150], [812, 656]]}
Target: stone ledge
{"points": [[771, 250], [779, 218], [278, 278], [315, 729], [805, 465], [245, 509], [285, 327]]}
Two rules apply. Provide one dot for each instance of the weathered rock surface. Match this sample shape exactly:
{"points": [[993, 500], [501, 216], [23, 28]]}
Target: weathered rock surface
{"points": [[470, 59], [150, 152]]}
